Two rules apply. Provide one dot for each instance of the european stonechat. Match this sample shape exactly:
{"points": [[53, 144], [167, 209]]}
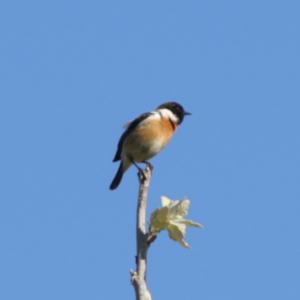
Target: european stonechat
{"points": [[147, 135]]}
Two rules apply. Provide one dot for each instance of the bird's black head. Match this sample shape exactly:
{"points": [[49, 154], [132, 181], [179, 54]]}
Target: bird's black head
{"points": [[176, 109]]}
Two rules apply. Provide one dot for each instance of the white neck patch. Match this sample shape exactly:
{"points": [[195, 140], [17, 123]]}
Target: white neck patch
{"points": [[166, 113]]}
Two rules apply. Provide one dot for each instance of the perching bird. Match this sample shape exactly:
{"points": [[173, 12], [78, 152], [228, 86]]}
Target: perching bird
{"points": [[147, 135]]}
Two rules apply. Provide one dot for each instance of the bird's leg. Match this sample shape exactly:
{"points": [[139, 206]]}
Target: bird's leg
{"points": [[141, 173], [148, 164], [137, 166]]}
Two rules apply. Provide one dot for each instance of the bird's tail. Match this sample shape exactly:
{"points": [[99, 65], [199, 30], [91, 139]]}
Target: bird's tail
{"points": [[121, 170], [117, 179]]}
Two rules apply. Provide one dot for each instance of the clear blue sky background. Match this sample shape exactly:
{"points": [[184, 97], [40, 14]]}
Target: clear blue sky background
{"points": [[73, 72]]}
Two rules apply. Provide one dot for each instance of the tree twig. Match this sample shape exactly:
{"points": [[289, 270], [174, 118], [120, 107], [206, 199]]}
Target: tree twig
{"points": [[139, 276]]}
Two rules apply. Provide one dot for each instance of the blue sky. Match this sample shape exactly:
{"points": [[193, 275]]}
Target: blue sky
{"points": [[73, 72]]}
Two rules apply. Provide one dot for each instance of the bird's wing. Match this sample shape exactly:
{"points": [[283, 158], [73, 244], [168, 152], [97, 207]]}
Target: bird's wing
{"points": [[129, 127]]}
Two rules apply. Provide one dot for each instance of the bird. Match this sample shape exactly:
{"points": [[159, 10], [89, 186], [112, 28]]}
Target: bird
{"points": [[146, 136]]}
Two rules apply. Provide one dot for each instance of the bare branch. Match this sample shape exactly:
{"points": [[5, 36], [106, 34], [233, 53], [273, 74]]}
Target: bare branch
{"points": [[138, 277]]}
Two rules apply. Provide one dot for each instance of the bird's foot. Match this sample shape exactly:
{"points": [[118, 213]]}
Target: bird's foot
{"points": [[149, 165], [141, 172], [142, 175], [145, 173]]}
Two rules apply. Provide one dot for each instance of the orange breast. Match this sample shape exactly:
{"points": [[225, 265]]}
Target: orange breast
{"points": [[149, 138], [160, 129]]}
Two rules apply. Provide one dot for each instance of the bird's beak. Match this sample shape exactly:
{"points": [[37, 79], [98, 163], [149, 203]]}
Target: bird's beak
{"points": [[186, 113]]}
